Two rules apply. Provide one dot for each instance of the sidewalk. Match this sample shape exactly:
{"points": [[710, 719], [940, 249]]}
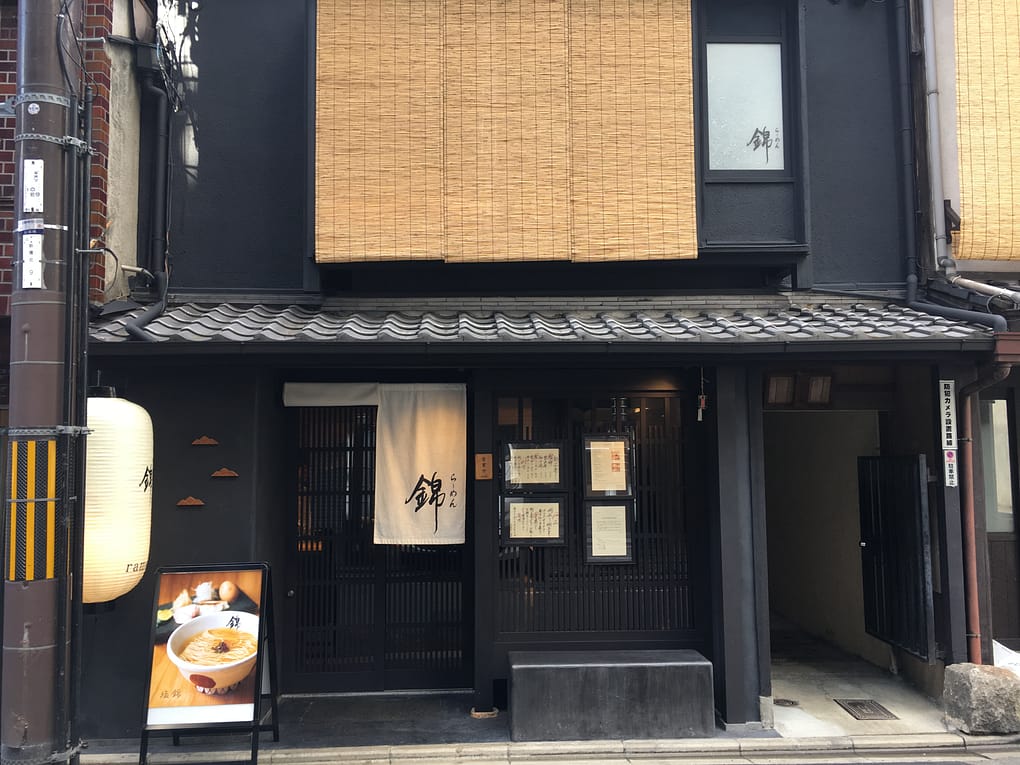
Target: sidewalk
{"points": [[945, 748], [436, 729]]}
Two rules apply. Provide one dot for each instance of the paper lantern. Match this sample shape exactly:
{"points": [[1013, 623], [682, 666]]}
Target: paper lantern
{"points": [[118, 498]]}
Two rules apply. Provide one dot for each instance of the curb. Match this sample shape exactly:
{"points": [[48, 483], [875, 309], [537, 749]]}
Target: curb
{"points": [[555, 750]]}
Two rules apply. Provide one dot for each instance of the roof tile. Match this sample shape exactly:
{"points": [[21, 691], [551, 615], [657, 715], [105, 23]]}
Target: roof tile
{"points": [[748, 319]]}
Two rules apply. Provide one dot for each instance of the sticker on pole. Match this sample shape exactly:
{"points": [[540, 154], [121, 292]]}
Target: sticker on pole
{"points": [[32, 186], [31, 261], [952, 478]]}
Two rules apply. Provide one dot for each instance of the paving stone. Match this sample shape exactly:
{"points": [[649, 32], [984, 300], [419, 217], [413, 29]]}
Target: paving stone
{"points": [[812, 743]]}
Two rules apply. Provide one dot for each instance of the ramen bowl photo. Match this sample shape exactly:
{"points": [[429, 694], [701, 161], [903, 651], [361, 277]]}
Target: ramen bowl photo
{"points": [[217, 651]]}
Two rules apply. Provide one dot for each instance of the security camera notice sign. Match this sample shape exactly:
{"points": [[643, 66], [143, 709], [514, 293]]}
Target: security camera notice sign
{"points": [[947, 399]]}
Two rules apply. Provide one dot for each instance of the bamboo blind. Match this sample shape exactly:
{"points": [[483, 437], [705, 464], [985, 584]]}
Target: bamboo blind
{"points": [[988, 115], [484, 131]]}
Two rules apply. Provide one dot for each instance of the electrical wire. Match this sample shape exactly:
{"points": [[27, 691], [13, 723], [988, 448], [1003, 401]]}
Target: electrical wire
{"points": [[175, 88], [85, 76], [109, 282], [61, 50]]}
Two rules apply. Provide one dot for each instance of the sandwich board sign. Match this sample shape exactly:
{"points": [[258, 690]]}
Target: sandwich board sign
{"points": [[209, 629]]}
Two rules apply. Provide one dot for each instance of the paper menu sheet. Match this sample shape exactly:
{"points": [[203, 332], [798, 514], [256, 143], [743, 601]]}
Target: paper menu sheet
{"points": [[534, 520], [608, 531], [608, 465], [534, 466]]}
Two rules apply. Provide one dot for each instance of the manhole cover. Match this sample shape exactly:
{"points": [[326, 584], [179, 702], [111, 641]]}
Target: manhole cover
{"points": [[786, 702], [866, 709]]}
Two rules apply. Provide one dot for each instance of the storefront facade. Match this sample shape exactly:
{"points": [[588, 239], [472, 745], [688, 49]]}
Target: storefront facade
{"points": [[702, 546]]}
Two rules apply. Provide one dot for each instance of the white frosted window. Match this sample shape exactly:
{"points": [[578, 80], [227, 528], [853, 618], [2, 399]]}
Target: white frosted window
{"points": [[998, 466], [745, 106]]}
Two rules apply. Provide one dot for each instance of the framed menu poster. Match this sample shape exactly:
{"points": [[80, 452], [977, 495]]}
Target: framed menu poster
{"points": [[609, 531], [209, 628], [532, 520], [608, 466], [532, 466]]}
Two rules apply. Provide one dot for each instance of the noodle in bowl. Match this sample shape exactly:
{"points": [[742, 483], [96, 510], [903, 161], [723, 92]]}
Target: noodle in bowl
{"points": [[217, 651]]}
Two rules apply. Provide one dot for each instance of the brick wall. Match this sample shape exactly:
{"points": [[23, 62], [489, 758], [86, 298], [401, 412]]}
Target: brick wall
{"points": [[8, 87], [98, 19], [99, 23]]}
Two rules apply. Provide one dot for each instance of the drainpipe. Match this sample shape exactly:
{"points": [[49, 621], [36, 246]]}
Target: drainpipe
{"points": [[990, 376], [984, 289], [157, 245], [906, 148], [943, 256]]}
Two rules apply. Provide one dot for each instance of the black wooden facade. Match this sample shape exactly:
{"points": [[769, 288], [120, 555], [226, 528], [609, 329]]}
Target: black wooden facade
{"points": [[707, 555]]}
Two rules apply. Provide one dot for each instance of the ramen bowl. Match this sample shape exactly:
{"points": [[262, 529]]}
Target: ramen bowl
{"points": [[214, 670]]}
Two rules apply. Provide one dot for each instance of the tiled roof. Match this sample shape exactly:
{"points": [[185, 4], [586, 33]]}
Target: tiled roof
{"points": [[721, 321]]}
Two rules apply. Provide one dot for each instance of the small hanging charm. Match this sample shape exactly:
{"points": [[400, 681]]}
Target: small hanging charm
{"points": [[702, 398]]}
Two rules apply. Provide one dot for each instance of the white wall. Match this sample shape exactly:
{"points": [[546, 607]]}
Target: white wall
{"points": [[814, 524], [122, 195]]}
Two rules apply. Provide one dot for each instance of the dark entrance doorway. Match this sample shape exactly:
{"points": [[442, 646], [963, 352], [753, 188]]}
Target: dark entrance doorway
{"points": [[361, 616]]}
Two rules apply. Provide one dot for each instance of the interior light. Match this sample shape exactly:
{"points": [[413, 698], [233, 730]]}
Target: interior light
{"points": [[819, 389], [780, 389]]}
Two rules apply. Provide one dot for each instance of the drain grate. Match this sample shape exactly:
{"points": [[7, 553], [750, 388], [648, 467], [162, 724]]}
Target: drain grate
{"points": [[866, 709]]}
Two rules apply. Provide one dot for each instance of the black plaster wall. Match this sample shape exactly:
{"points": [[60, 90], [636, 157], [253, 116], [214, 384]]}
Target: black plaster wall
{"points": [[239, 216], [852, 141], [184, 404]]}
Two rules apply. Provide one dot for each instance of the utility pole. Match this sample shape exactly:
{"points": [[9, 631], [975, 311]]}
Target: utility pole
{"points": [[43, 487]]}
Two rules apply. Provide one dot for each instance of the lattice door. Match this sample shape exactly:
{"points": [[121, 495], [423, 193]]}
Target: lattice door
{"points": [[363, 616]]}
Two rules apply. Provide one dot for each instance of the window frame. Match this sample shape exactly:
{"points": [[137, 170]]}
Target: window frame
{"points": [[988, 461], [791, 127]]}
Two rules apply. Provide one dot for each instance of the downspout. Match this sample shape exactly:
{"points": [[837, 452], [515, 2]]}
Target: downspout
{"points": [[906, 148], [943, 257], [157, 245], [995, 321], [991, 376]]}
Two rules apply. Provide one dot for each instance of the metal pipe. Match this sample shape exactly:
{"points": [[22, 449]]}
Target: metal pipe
{"points": [[158, 217], [79, 384], [995, 375], [943, 255], [985, 289], [907, 187], [157, 247], [136, 326], [995, 321]]}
